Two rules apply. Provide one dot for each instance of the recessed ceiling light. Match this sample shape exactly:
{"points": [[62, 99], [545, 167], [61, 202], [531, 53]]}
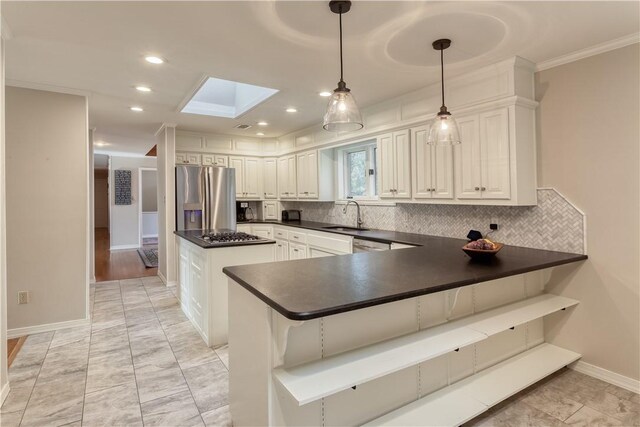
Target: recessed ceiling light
{"points": [[260, 134], [325, 93], [154, 59], [263, 124], [291, 110], [143, 88], [137, 109]]}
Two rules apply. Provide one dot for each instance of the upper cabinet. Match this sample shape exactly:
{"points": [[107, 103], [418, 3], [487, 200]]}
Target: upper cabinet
{"points": [[307, 164], [483, 157], [248, 176], [395, 165], [432, 167], [188, 159], [270, 183], [215, 160], [287, 177]]}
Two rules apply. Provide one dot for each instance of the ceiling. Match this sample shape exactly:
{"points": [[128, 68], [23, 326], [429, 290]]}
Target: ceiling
{"points": [[99, 47]]}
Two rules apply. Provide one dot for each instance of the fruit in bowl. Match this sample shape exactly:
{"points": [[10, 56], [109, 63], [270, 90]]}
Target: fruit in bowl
{"points": [[482, 248]]}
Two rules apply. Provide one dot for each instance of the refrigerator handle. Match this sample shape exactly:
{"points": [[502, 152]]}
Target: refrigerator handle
{"points": [[206, 211]]}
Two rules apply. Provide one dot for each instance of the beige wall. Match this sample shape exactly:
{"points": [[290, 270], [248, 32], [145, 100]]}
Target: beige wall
{"points": [[588, 149], [166, 143], [4, 377], [149, 182], [101, 199], [47, 206], [124, 226]]}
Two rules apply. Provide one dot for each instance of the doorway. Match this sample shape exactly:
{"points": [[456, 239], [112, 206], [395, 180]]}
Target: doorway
{"points": [[148, 215]]}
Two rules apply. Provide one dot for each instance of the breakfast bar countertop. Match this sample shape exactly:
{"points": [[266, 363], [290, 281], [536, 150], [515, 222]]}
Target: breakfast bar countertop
{"points": [[318, 287]]}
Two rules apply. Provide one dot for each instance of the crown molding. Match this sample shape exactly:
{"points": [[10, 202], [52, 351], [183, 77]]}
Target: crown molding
{"points": [[590, 51], [47, 87]]}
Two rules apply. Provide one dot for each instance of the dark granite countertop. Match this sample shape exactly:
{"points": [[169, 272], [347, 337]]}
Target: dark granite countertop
{"points": [[192, 236], [311, 288]]}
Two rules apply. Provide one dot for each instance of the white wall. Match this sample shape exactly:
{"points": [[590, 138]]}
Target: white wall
{"points": [[124, 220], [166, 138], [588, 148], [101, 198], [149, 186], [47, 206]]}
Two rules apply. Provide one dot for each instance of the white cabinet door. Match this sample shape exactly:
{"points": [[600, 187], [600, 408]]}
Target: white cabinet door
{"points": [[442, 172], [297, 251], [270, 210], [311, 179], [183, 277], [386, 169], [270, 178], [287, 177], [188, 159], [243, 228], [467, 158], [265, 231], [219, 160], [291, 178], [402, 164], [198, 284], [302, 166], [422, 161], [282, 250], [319, 253], [252, 178], [237, 163], [494, 151]]}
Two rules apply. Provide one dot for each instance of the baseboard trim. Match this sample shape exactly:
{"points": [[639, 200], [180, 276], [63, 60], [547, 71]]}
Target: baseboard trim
{"points": [[4, 393], [47, 327], [121, 247], [161, 276], [149, 235], [606, 376]]}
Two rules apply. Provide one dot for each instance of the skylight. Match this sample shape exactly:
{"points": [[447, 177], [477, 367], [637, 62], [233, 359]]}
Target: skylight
{"points": [[225, 98]]}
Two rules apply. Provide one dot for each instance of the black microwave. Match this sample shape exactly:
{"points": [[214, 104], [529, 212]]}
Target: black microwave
{"points": [[291, 215]]}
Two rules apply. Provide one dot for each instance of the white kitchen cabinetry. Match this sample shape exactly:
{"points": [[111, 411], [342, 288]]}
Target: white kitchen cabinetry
{"points": [[203, 287], [297, 251], [282, 250], [188, 159], [307, 167], [395, 165], [483, 158], [270, 210], [265, 231], [215, 160], [432, 167], [270, 178], [287, 177], [247, 176], [243, 228]]}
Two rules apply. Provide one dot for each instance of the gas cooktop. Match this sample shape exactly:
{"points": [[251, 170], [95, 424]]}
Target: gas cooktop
{"points": [[220, 238]]}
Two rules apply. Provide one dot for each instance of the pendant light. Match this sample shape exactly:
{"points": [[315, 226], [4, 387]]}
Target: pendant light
{"points": [[444, 129], [342, 113]]}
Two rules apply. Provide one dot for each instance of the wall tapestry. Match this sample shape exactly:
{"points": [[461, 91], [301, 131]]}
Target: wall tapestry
{"points": [[122, 187]]}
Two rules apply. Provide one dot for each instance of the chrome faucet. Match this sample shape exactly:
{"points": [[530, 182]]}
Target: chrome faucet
{"points": [[358, 218]]}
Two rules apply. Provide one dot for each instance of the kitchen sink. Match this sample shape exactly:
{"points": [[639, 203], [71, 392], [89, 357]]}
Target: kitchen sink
{"points": [[344, 228]]}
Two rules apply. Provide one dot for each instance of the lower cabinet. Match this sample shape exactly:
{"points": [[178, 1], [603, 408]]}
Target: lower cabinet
{"points": [[265, 231], [282, 250], [271, 210], [297, 251]]}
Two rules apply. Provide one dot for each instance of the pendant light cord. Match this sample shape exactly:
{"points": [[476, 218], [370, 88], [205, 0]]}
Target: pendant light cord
{"points": [[341, 66], [442, 73]]}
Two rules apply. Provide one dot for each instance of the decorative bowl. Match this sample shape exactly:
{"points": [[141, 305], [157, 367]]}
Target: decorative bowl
{"points": [[482, 253]]}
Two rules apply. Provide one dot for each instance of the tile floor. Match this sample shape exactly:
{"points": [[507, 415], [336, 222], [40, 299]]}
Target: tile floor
{"points": [[140, 362]]}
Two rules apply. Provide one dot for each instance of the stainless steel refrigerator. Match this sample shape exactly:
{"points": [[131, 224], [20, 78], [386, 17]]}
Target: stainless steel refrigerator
{"points": [[205, 198]]}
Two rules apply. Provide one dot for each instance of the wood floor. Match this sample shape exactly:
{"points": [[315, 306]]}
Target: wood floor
{"points": [[117, 265], [13, 347]]}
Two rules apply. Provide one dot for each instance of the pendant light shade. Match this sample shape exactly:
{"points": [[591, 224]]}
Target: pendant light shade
{"points": [[444, 129], [343, 114]]}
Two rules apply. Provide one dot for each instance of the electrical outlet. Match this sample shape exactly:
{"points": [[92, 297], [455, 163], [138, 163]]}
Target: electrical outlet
{"points": [[493, 226], [23, 297]]}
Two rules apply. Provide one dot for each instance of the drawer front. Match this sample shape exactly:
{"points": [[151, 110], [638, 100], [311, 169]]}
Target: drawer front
{"points": [[279, 233], [297, 237], [331, 243]]}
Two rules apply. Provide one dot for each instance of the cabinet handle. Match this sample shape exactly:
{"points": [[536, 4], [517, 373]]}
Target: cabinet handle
{"points": [[483, 189], [477, 188]]}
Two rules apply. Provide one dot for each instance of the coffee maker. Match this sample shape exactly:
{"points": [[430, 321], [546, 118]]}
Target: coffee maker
{"points": [[243, 212]]}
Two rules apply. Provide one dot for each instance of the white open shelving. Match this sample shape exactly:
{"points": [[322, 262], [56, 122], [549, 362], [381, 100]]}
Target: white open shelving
{"points": [[466, 399], [315, 380]]}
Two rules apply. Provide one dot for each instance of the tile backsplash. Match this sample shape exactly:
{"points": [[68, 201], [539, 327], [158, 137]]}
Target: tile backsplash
{"points": [[554, 224]]}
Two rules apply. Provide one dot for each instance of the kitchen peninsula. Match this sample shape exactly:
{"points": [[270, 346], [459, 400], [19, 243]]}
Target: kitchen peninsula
{"points": [[308, 345]]}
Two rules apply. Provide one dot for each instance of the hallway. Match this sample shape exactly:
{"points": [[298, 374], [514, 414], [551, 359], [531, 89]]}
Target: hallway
{"points": [[117, 265], [139, 361]]}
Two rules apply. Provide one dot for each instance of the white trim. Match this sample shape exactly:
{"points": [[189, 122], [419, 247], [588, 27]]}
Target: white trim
{"points": [[4, 393], [47, 87], [606, 376], [161, 276], [149, 235], [163, 126], [47, 327], [590, 51], [140, 212], [123, 247], [92, 280], [363, 202]]}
